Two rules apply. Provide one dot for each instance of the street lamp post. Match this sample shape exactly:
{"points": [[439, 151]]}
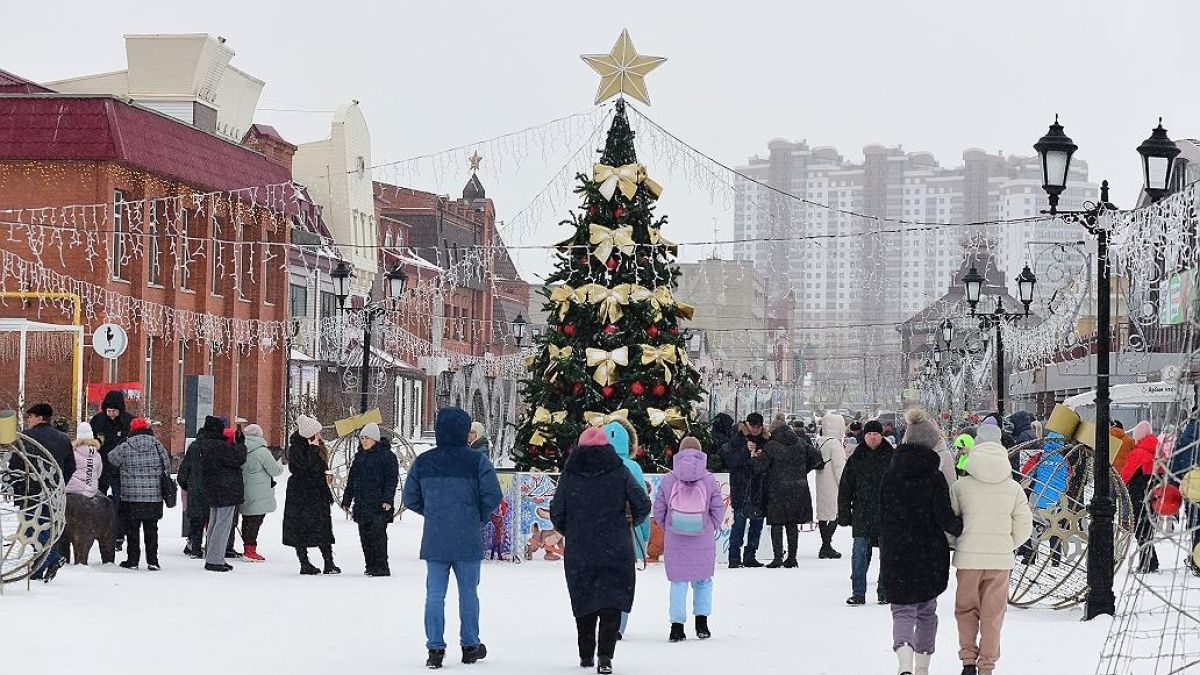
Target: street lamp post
{"points": [[1158, 153], [973, 283], [396, 280]]}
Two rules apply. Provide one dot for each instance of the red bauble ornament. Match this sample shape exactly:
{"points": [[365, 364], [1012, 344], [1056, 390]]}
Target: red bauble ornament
{"points": [[593, 211], [568, 329], [612, 264], [652, 331], [659, 390], [675, 330], [637, 388], [670, 452], [619, 212], [640, 452], [577, 388], [534, 451], [609, 329], [583, 260], [608, 392]]}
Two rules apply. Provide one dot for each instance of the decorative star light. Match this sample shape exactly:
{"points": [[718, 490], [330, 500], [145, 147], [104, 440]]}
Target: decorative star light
{"points": [[475, 159], [623, 70]]}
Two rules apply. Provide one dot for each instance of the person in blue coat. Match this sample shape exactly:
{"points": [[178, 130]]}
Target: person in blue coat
{"points": [[455, 489], [623, 437], [370, 495]]}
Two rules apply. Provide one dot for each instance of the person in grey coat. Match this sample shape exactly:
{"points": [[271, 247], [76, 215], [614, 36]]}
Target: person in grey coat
{"points": [[141, 460], [258, 483]]}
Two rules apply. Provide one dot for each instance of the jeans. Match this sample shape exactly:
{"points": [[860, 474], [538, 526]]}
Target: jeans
{"points": [[585, 626], [735, 538], [860, 561], [220, 524], [702, 592], [437, 579], [915, 626], [624, 623], [373, 535]]}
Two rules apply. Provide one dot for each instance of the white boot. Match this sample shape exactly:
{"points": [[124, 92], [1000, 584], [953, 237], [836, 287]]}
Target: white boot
{"points": [[923, 664], [905, 657]]}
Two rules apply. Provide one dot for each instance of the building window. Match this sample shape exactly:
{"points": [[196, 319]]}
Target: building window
{"points": [[214, 268], [148, 387], [182, 403], [328, 304], [117, 250], [298, 300], [155, 270], [212, 359], [184, 252]]}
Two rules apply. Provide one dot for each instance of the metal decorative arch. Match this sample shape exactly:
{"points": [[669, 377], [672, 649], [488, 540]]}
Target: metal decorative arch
{"points": [[1051, 570], [341, 456], [33, 503]]}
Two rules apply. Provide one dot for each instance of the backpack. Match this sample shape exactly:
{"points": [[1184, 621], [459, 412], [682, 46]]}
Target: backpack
{"points": [[688, 507]]}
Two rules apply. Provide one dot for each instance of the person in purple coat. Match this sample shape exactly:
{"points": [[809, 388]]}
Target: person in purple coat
{"points": [[690, 507]]}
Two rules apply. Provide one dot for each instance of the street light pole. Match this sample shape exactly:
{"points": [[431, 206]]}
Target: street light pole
{"points": [[395, 282]]}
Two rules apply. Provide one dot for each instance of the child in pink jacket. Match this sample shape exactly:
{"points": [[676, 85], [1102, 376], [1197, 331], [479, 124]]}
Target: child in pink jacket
{"points": [[88, 463]]}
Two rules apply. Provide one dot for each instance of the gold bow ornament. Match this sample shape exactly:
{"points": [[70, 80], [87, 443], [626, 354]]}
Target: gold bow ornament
{"points": [[671, 417], [656, 239], [558, 355], [542, 417], [598, 419], [606, 363], [605, 240], [609, 300], [662, 356], [658, 298], [624, 177], [562, 294]]}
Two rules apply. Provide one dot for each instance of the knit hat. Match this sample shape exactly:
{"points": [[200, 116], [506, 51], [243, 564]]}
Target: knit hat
{"points": [[371, 431], [253, 430], [139, 424], [479, 429], [754, 419], [593, 436], [964, 442], [873, 427], [988, 432], [1140, 431], [84, 432], [230, 434], [690, 443], [921, 430], [308, 426]]}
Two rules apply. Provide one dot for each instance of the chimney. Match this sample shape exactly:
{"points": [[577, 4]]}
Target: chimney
{"points": [[265, 140]]}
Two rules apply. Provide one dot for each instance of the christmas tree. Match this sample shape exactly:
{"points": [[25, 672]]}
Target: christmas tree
{"points": [[614, 346]]}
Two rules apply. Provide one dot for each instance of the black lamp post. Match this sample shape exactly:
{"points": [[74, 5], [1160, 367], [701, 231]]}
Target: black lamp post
{"points": [[973, 285], [1158, 153], [395, 282], [519, 324]]}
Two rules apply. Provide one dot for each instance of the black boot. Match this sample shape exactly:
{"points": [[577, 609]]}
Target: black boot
{"points": [[677, 634], [436, 656], [970, 669], [751, 562], [307, 568], [327, 554], [604, 667], [776, 547], [827, 529], [702, 630], [473, 654]]}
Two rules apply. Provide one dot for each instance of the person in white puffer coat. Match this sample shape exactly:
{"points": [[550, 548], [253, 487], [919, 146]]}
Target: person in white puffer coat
{"points": [[996, 521]]}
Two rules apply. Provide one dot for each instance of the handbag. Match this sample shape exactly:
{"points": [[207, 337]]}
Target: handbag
{"points": [[166, 486]]}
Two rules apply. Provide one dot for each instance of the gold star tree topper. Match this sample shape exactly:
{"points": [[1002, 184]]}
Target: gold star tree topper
{"points": [[623, 70], [475, 159]]}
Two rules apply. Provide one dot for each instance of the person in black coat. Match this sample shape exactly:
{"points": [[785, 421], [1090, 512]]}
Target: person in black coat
{"points": [[37, 427], [223, 491], [722, 433], [784, 464], [745, 490], [596, 505], [858, 505], [915, 516], [111, 427], [306, 519], [370, 495], [191, 479]]}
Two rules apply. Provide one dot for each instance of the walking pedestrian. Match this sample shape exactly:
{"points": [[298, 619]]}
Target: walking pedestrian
{"points": [[784, 463], [38, 427], [111, 426], [623, 438], [306, 519], [915, 515], [858, 507], [258, 484], [141, 460], [370, 495], [829, 474], [455, 489], [690, 507], [224, 491], [745, 491], [595, 506], [996, 521], [1137, 473]]}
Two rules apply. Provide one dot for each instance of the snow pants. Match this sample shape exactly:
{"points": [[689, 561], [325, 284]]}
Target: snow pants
{"points": [[979, 607]]}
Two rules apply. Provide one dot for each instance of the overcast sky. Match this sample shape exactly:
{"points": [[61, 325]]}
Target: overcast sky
{"points": [[938, 75]]}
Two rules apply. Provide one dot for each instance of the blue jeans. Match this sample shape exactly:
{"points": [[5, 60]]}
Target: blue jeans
{"points": [[437, 579], [860, 560], [735, 538], [702, 592]]}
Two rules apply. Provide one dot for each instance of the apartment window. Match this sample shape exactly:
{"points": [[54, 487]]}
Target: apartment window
{"points": [[154, 273], [117, 250], [298, 300]]}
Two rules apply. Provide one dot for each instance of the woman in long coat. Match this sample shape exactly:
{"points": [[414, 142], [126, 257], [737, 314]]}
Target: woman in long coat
{"points": [[596, 505], [306, 518], [829, 474], [258, 479], [785, 463]]}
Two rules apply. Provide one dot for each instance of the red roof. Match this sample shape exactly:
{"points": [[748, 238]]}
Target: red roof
{"points": [[268, 131], [104, 128], [15, 84]]}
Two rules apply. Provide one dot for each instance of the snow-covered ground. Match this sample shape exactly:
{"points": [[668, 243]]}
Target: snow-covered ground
{"points": [[266, 618]]}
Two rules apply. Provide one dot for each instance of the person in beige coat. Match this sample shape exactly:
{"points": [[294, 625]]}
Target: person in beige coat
{"points": [[996, 521], [829, 475]]}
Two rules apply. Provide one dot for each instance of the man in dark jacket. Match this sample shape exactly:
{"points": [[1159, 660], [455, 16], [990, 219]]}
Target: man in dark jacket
{"points": [[722, 433], [455, 489], [37, 427], [111, 427], [191, 479], [745, 490], [370, 496], [223, 490], [858, 505]]}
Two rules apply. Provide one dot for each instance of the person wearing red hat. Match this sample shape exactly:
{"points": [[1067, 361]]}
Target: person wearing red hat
{"points": [[1137, 474], [141, 460]]}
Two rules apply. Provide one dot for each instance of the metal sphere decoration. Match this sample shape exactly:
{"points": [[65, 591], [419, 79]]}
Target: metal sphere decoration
{"points": [[33, 502], [1051, 570], [341, 456]]}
